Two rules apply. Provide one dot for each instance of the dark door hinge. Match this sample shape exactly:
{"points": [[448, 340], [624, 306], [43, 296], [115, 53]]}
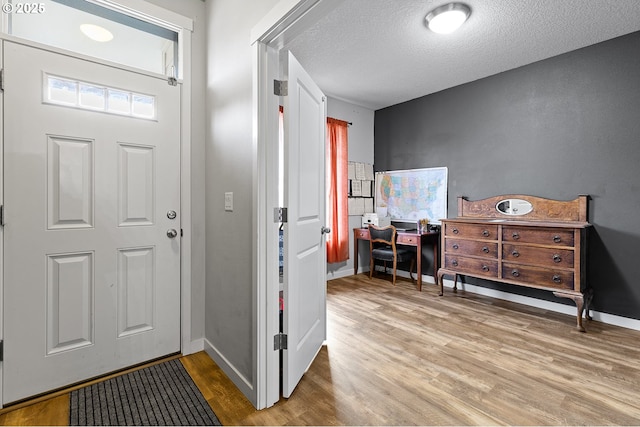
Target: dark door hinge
{"points": [[280, 341], [2, 79], [2, 215]]}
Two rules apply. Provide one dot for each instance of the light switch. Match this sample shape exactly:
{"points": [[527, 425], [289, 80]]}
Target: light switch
{"points": [[228, 201]]}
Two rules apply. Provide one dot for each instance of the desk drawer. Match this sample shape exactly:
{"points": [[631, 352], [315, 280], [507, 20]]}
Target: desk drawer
{"points": [[362, 233], [472, 247], [473, 266], [471, 231], [555, 279], [407, 239]]}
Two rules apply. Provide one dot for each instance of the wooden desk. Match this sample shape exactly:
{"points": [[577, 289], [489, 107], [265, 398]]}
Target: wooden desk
{"points": [[406, 238]]}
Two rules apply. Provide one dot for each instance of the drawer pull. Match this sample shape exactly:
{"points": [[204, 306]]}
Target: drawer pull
{"points": [[485, 268], [455, 246], [515, 273], [454, 263], [454, 230], [557, 239], [515, 254], [556, 278], [515, 236], [485, 233], [557, 258], [485, 249]]}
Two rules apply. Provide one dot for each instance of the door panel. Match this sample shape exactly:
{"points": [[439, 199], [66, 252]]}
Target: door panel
{"points": [[305, 252], [70, 175], [92, 281], [69, 301]]}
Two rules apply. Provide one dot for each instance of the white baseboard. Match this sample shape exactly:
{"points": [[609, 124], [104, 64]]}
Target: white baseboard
{"points": [[338, 274], [234, 375], [610, 319]]}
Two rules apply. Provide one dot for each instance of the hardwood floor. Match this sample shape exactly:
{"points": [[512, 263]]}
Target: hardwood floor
{"points": [[396, 356]]}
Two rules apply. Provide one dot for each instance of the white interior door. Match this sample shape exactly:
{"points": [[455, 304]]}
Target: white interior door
{"points": [[304, 320], [91, 276]]}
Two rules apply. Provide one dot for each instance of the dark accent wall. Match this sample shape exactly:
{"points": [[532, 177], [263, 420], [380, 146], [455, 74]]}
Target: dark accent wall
{"points": [[557, 128]]}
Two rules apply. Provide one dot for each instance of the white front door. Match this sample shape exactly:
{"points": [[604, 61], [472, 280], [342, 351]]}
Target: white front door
{"points": [[304, 241], [91, 272]]}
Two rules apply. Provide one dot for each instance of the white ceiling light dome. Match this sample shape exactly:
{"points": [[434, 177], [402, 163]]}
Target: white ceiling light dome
{"points": [[96, 32], [447, 18]]}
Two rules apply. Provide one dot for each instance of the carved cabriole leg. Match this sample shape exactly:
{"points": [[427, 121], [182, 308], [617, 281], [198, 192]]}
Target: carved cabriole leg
{"points": [[579, 300], [588, 297], [440, 274]]}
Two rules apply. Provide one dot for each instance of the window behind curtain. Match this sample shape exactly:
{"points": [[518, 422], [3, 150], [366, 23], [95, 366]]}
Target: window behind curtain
{"points": [[337, 182]]}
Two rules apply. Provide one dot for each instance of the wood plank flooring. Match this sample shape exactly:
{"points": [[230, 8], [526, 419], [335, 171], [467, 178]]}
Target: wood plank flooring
{"points": [[396, 356]]}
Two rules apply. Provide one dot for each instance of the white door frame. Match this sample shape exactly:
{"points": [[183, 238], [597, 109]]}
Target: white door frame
{"points": [[183, 25], [284, 22]]}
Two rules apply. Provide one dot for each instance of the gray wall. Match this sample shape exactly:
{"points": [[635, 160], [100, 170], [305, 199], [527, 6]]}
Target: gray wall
{"points": [[229, 316], [557, 128]]}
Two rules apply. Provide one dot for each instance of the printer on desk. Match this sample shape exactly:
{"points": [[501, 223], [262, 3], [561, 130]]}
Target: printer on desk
{"points": [[374, 219]]}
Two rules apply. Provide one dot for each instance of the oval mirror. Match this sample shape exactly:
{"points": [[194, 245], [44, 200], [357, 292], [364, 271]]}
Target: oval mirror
{"points": [[514, 207]]}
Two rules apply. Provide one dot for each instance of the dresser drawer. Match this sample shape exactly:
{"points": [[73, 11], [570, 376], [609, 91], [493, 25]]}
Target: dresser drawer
{"points": [[472, 247], [407, 239], [362, 233], [544, 257], [556, 279], [472, 231], [473, 266], [543, 236]]}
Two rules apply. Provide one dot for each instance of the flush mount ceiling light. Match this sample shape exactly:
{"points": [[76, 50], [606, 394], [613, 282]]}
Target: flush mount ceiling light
{"points": [[447, 18], [97, 33]]}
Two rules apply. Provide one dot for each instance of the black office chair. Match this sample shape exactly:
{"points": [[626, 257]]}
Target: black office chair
{"points": [[382, 246]]}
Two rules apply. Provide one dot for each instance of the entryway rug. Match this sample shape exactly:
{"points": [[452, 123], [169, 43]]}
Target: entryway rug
{"points": [[162, 394]]}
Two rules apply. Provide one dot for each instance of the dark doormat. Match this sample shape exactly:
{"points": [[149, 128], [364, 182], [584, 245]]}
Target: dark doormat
{"points": [[162, 394]]}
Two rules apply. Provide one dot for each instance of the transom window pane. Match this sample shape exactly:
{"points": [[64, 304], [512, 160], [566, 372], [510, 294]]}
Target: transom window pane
{"points": [[143, 106], [91, 96], [90, 29], [119, 102], [62, 91]]}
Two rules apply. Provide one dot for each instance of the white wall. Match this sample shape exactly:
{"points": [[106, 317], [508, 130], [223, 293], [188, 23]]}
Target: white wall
{"points": [[195, 9], [229, 313], [360, 150]]}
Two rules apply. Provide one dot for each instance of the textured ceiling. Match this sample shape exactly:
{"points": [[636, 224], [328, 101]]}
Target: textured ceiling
{"points": [[377, 53]]}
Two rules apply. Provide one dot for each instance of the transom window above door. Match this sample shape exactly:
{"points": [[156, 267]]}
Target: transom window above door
{"points": [[105, 33]]}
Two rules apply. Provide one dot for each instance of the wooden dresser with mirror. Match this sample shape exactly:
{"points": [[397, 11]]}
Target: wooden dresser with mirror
{"points": [[521, 240]]}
